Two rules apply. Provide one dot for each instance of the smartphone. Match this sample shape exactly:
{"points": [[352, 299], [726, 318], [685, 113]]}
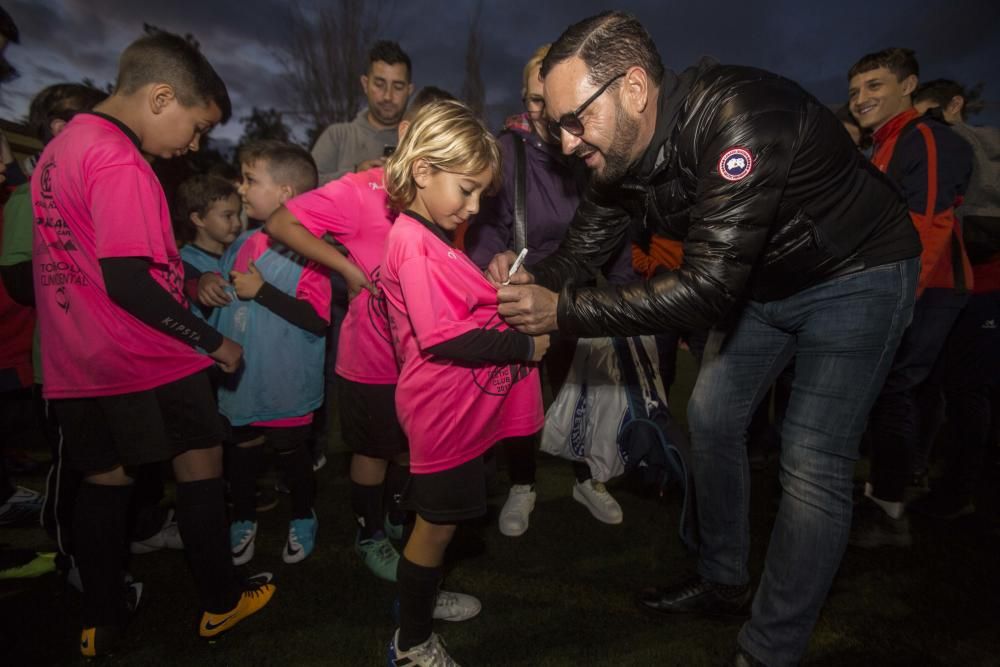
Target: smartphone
{"points": [[388, 150]]}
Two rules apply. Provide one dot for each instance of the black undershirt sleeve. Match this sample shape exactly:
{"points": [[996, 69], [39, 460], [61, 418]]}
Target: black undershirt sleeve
{"points": [[129, 284], [487, 346], [295, 311], [19, 283], [191, 278]]}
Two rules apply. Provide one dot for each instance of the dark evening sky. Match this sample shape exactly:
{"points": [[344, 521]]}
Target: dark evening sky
{"points": [[813, 43]]}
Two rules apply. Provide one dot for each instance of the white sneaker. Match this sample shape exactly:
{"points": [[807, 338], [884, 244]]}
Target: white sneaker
{"points": [[517, 509], [169, 537], [429, 654], [241, 539], [595, 497], [456, 607]]}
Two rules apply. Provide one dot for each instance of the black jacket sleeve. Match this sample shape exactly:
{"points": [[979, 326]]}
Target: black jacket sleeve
{"points": [[129, 284], [18, 282], [486, 346], [295, 311]]}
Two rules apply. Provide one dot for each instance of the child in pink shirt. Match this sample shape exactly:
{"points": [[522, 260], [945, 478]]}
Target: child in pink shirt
{"points": [[124, 359], [356, 212], [466, 379]]}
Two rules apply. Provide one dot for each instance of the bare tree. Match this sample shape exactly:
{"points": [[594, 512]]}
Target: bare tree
{"points": [[324, 56], [473, 90]]}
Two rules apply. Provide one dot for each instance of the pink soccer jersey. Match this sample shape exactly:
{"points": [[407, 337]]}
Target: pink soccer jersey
{"points": [[355, 211], [450, 412], [94, 197], [314, 283]]}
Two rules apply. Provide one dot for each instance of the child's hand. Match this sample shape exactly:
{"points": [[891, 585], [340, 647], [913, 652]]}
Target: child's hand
{"points": [[356, 281], [541, 346], [212, 290], [228, 355], [247, 284], [498, 271]]}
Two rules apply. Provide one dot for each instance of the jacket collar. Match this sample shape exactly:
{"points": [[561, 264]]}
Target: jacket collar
{"points": [[521, 125], [674, 90], [893, 126]]}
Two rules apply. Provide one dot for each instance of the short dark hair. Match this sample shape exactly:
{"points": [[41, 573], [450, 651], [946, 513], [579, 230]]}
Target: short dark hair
{"points": [[288, 164], [60, 102], [427, 95], [943, 90], [608, 44], [390, 53], [196, 195], [8, 28], [164, 57], [901, 62]]}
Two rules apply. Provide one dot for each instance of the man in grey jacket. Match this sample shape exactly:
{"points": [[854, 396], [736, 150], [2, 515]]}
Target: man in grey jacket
{"points": [[367, 140]]}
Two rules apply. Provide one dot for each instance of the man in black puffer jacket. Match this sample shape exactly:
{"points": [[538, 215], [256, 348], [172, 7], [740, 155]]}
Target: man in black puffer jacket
{"points": [[794, 248]]}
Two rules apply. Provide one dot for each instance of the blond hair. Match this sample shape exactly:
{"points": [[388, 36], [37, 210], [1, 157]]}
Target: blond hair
{"points": [[447, 136], [535, 61]]}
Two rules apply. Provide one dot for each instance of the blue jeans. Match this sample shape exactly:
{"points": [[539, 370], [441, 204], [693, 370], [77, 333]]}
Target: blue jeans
{"points": [[895, 422], [842, 335]]}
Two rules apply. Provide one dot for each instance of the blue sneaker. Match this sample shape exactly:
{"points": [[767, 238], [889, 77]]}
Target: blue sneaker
{"points": [[301, 539], [241, 537], [394, 531], [379, 555]]}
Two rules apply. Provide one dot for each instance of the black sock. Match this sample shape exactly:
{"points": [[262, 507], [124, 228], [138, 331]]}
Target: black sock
{"points": [[521, 463], [99, 534], [244, 466], [296, 465], [366, 501], [582, 471], [201, 518], [418, 590], [396, 478]]}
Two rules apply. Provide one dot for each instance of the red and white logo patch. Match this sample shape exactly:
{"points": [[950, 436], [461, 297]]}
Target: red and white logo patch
{"points": [[735, 164]]}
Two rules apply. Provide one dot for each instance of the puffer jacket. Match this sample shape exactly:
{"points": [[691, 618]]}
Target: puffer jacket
{"points": [[761, 182]]}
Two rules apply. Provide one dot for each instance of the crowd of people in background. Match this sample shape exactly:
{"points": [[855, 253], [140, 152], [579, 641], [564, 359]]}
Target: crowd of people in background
{"points": [[846, 259]]}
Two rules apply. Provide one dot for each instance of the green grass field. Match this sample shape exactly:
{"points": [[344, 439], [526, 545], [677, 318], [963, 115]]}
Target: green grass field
{"points": [[562, 594]]}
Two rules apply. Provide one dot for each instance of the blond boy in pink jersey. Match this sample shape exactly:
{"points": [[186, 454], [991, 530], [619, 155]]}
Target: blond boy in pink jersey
{"points": [[467, 380]]}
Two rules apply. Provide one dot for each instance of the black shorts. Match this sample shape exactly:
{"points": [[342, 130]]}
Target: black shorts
{"points": [[280, 438], [368, 422], [448, 496], [103, 432]]}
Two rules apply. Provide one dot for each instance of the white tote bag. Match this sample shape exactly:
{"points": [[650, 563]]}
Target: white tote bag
{"points": [[584, 421]]}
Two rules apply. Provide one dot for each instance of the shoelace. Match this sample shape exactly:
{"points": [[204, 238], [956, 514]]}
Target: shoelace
{"points": [[691, 586], [439, 657], [293, 538], [256, 591], [520, 501], [445, 599], [384, 550]]}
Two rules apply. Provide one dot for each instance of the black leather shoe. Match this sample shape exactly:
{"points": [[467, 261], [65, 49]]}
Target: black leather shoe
{"points": [[743, 659], [698, 596]]}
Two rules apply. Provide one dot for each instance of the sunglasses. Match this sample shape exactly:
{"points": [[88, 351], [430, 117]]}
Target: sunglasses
{"points": [[571, 121]]}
